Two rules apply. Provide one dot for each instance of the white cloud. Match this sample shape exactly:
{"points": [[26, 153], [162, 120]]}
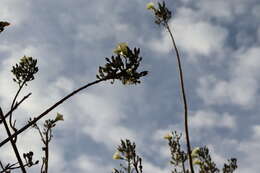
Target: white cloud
{"points": [[88, 164], [249, 148], [221, 9], [242, 87], [209, 119], [101, 119]]}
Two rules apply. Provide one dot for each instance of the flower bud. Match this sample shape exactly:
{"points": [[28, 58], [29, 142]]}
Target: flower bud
{"points": [[121, 49], [168, 136], [59, 117], [197, 162], [117, 156], [194, 152], [150, 6]]}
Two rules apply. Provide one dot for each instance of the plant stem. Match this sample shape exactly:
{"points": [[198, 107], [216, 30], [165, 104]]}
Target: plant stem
{"points": [[47, 140], [13, 102], [183, 96], [12, 142], [50, 109]]}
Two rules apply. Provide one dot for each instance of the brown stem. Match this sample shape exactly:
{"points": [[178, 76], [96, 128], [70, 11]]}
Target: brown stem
{"points": [[12, 142], [183, 96], [50, 109]]}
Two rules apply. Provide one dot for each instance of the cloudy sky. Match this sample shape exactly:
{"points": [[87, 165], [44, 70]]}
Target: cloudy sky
{"points": [[219, 42]]}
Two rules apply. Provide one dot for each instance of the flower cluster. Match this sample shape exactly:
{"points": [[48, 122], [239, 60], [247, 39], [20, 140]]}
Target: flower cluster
{"points": [[162, 13], [123, 66], [126, 151], [200, 157], [25, 70], [178, 156]]}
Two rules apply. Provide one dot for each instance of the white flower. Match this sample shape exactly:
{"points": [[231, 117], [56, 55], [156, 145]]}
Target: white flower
{"points": [[117, 156], [168, 136], [59, 117]]}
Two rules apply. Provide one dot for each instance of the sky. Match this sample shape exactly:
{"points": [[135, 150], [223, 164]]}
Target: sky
{"points": [[219, 43]]}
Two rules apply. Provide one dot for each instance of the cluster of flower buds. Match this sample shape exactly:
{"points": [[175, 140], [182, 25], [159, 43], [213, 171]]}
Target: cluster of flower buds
{"points": [[25, 70], [123, 66], [126, 151], [162, 13], [178, 156]]}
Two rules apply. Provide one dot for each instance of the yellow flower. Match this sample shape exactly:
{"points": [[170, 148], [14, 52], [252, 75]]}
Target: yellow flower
{"points": [[59, 117], [168, 136], [117, 156], [150, 6], [121, 49], [194, 152]]}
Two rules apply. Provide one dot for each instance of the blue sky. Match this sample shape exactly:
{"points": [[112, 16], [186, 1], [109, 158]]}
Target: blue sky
{"points": [[219, 42]]}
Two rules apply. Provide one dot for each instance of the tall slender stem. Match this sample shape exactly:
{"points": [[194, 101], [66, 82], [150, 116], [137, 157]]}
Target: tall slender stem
{"points": [[12, 142], [185, 104]]}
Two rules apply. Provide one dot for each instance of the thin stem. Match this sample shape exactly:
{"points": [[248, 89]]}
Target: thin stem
{"points": [[12, 142], [183, 96], [13, 102], [50, 109], [47, 140]]}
